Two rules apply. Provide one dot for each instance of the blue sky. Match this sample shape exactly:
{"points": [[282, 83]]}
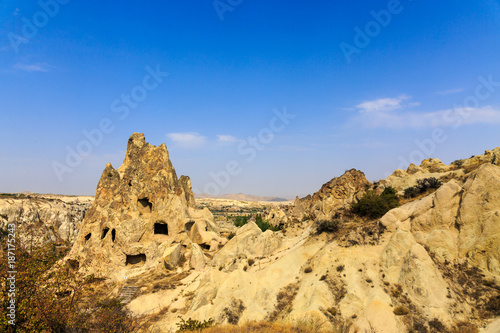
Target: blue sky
{"points": [[265, 98]]}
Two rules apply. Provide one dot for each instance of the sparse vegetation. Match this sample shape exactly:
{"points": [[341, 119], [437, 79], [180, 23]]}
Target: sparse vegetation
{"points": [[327, 226], [374, 206], [401, 311], [272, 327], [193, 325], [423, 186], [436, 325], [53, 299], [458, 163], [233, 312], [240, 221], [284, 301]]}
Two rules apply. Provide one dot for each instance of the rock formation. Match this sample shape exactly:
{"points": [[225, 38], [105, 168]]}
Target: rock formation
{"points": [[42, 220], [333, 196], [143, 218], [434, 263]]}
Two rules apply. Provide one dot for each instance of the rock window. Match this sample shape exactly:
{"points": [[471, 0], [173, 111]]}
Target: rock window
{"points": [[104, 232], [87, 236], [144, 205], [138, 259], [161, 228], [189, 225]]}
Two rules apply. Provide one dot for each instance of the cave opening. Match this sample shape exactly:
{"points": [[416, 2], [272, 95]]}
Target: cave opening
{"points": [[189, 226], [144, 205], [138, 259], [104, 232], [161, 228]]}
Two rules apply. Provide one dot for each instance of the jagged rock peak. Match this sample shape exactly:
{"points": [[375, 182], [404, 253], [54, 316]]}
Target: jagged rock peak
{"points": [[140, 213], [336, 194]]}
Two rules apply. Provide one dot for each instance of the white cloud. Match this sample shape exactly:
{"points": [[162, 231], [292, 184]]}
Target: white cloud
{"points": [[188, 140], [40, 67], [450, 91], [384, 104], [226, 138], [385, 117]]}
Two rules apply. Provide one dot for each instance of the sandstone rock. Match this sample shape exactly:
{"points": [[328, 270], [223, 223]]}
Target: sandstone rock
{"points": [[335, 195], [42, 220], [140, 209], [277, 217], [479, 218], [172, 256]]}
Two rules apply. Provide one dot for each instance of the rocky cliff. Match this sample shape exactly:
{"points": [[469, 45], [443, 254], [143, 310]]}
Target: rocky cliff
{"points": [[143, 218], [334, 196], [41, 220]]}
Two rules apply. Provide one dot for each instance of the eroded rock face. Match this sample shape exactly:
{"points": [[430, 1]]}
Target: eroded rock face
{"points": [[40, 220], [333, 196], [141, 212]]}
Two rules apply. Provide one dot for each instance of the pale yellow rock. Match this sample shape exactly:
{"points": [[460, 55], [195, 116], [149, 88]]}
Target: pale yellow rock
{"points": [[172, 255], [479, 218], [139, 211]]}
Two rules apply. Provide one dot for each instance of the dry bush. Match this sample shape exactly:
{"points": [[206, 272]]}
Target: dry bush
{"points": [[284, 301], [233, 312], [308, 326], [401, 311], [52, 298]]}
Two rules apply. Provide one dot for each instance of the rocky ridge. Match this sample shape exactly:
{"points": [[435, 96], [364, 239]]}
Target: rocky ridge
{"points": [[433, 265], [43, 219]]}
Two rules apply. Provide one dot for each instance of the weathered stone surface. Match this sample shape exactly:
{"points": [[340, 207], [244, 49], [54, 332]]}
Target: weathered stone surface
{"points": [[409, 265], [276, 217], [479, 218], [139, 211], [333, 196], [40, 220]]}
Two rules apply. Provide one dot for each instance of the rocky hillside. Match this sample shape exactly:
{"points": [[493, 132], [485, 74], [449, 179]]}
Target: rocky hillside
{"points": [[43, 219], [430, 265]]}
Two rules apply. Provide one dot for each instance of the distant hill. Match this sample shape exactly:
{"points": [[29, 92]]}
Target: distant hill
{"points": [[239, 196]]}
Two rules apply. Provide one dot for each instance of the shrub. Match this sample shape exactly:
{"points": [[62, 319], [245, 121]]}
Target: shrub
{"points": [[250, 262], [458, 163], [193, 325], [428, 183], [375, 206], [423, 185], [411, 192], [264, 225], [240, 221], [436, 325], [340, 268], [327, 226], [401, 311], [231, 235], [50, 298]]}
